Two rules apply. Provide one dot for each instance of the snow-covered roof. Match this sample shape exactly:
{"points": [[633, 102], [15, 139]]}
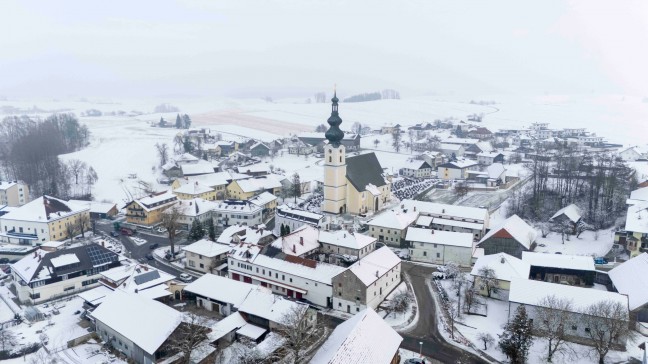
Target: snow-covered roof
{"points": [[495, 170], [631, 278], [446, 211], [4, 185], [260, 183], [391, 219], [297, 214], [424, 220], [27, 266], [186, 158], [95, 207], [220, 289], [364, 338], [461, 164], [484, 146], [263, 303], [372, 189], [195, 207], [201, 167], [517, 229], [136, 277], [147, 323], [235, 205], [96, 295], [207, 248], [195, 188], [320, 272], [226, 236], [530, 292], [489, 154], [345, 239], [564, 261], [640, 194], [161, 200], [225, 326], [44, 209], [457, 223], [64, 259], [506, 267], [375, 265], [430, 236], [254, 168], [450, 147], [459, 141], [637, 218], [251, 235], [299, 242], [245, 251], [572, 212], [263, 199], [251, 331]]}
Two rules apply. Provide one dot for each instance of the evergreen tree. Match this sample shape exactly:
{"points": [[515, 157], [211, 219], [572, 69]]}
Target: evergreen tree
{"points": [[197, 231], [211, 229], [179, 122], [296, 186], [186, 121], [162, 122], [516, 339], [282, 230], [287, 229]]}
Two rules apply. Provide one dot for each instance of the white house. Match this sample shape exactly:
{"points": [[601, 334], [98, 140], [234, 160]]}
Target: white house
{"points": [[135, 325], [142, 279], [440, 247], [194, 209], [351, 246], [390, 226], [294, 218], [233, 212], [455, 170], [367, 282], [206, 256], [452, 150], [417, 169], [13, 193], [452, 217], [506, 268]]}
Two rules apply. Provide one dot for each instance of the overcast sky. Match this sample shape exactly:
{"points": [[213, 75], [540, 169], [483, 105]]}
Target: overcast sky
{"points": [[297, 47]]}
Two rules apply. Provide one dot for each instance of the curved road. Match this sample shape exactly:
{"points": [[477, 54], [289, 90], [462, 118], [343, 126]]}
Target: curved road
{"points": [[426, 330]]}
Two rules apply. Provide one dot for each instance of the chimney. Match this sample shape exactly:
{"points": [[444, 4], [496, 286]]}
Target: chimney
{"points": [[432, 231], [376, 274], [414, 208], [35, 253], [443, 211], [502, 260], [39, 257], [124, 284], [145, 267], [294, 249], [402, 206], [103, 244], [301, 240]]}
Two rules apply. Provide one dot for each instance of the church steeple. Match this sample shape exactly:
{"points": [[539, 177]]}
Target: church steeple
{"points": [[334, 134]]}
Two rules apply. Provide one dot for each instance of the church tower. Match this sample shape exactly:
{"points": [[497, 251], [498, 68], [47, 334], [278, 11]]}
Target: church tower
{"points": [[335, 181]]}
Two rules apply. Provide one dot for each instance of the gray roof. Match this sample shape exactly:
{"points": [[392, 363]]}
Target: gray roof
{"points": [[364, 169]]}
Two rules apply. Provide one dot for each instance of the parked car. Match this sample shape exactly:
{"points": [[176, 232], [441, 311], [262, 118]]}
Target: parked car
{"points": [[149, 256], [414, 361], [185, 277], [127, 232], [438, 275], [600, 260], [114, 234], [154, 246]]}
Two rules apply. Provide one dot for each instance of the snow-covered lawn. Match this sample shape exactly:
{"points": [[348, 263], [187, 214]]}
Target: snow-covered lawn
{"points": [[399, 320], [592, 243]]}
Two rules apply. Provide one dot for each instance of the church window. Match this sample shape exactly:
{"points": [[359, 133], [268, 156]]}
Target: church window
{"points": [[340, 150], [330, 159], [340, 159]]}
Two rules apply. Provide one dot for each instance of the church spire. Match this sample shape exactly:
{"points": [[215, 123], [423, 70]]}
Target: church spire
{"points": [[334, 134]]}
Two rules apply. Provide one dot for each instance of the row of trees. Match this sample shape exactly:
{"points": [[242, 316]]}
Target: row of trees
{"points": [[181, 122], [29, 151]]}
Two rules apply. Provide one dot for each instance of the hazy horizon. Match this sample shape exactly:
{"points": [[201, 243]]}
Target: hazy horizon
{"points": [[293, 48]]}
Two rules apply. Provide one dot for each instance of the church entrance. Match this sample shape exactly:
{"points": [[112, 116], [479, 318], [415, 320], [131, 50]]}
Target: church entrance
{"points": [[342, 209], [376, 204]]}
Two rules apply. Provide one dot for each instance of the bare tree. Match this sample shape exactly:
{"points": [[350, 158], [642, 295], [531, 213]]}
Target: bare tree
{"points": [[458, 282], [300, 327], [163, 152], [83, 224], [471, 298], [70, 230], [488, 278], [607, 322], [461, 189], [356, 128], [189, 335], [7, 339], [396, 140], [552, 319], [399, 302], [486, 338], [76, 167], [170, 222], [376, 142]]}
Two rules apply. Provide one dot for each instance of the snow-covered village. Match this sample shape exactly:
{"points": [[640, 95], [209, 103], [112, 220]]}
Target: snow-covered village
{"points": [[249, 183]]}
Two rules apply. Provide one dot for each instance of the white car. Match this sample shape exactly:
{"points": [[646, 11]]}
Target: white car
{"points": [[185, 277]]}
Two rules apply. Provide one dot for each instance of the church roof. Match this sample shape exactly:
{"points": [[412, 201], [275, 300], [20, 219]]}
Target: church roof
{"points": [[363, 170]]}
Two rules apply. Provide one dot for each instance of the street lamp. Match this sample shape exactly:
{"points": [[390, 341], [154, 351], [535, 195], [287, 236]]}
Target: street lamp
{"points": [[420, 348]]}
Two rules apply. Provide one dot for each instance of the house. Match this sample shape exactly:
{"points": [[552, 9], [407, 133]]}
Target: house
{"points": [[255, 170], [13, 193], [480, 133], [44, 219], [390, 129], [206, 256], [472, 150], [637, 196], [300, 148], [452, 151], [440, 247], [354, 342], [235, 212], [432, 158], [136, 326], [189, 191], [345, 246], [259, 149], [630, 278], [148, 210], [289, 275], [294, 218], [417, 169], [493, 176], [530, 294], [455, 170], [570, 214], [473, 220], [138, 278], [220, 294], [506, 268], [99, 210], [217, 181], [575, 270], [41, 276], [197, 169], [634, 153], [488, 158], [635, 235], [391, 226], [513, 237], [225, 148], [266, 201], [245, 189], [196, 209], [257, 235], [302, 242], [268, 311], [367, 282]]}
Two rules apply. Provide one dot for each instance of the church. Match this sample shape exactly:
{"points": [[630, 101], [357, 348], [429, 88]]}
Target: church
{"points": [[353, 185]]}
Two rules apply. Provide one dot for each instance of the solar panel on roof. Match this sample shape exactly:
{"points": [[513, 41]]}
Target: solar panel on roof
{"points": [[100, 256], [146, 277]]}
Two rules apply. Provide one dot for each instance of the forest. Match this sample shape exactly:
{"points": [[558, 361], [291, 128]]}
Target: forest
{"points": [[29, 150]]}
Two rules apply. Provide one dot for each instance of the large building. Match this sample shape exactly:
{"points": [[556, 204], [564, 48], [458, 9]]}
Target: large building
{"points": [[44, 219], [13, 193], [355, 185], [148, 210]]}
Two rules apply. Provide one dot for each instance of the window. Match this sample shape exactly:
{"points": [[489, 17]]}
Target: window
{"points": [[574, 327], [357, 309], [283, 277], [339, 293], [424, 253], [202, 265], [587, 329], [192, 263], [438, 255], [339, 304], [291, 279]]}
